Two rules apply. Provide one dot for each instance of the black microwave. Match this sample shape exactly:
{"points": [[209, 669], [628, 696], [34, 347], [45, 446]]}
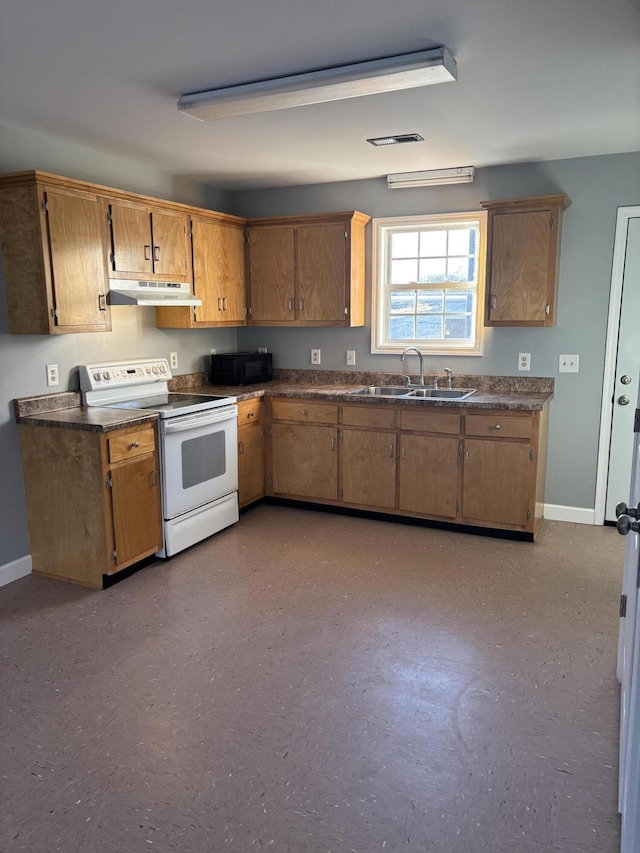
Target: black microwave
{"points": [[241, 368]]}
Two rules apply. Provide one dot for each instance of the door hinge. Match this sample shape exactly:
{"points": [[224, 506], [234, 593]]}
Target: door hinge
{"points": [[54, 313], [532, 454], [551, 223], [547, 309], [342, 438], [623, 606], [109, 217], [346, 311], [45, 206], [191, 229], [112, 259], [528, 514], [109, 482], [346, 234]]}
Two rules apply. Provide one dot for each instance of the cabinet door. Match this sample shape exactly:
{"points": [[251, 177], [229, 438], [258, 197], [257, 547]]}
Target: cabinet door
{"points": [[232, 279], [250, 464], [429, 475], [78, 259], [304, 461], [135, 500], [321, 253], [170, 245], [206, 270], [369, 467], [496, 479], [131, 240], [271, 275]]}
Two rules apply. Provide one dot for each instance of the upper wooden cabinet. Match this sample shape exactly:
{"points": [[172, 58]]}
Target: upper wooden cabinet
{"points": [[218, 275], [306, 271], [523, 254], [55, 258], [148, 242]]}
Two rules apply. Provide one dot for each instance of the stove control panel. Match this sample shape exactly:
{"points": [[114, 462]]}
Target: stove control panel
{"points": [[123, 374]]}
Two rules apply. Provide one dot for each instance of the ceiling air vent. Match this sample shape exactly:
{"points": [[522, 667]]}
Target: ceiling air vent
{"points": [[396, 140]]}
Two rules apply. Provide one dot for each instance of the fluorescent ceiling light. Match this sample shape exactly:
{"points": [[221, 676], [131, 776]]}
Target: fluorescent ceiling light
{"points": [[399, 139], [406, 71], [461, 175]]}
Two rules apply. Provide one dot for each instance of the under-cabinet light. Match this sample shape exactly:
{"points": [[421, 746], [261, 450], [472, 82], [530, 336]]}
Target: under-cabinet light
{"points": [[407, 71], [461, 175]]}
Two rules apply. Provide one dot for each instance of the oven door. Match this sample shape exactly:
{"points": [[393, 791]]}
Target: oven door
{"points": [[199, 459]]}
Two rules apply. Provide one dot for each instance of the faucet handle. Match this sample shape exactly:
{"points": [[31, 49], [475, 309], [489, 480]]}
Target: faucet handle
{"points": [[449, 374]]}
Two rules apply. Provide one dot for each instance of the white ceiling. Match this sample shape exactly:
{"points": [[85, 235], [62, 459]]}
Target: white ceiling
{"points": [[537, 80]]}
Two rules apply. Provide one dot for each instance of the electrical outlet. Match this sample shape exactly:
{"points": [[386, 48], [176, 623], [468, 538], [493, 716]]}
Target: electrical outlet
{"points": [[524, 361], [568, 363], [173, 360], [262, 349], [315, 356], [351, 356], [53, 377], [213, 351]]}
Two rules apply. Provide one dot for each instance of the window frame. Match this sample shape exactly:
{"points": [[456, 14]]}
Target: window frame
{"points": [[379, 342]]}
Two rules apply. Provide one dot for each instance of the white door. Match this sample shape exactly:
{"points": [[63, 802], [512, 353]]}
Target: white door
{"points": [[630, 842], [627, 373]]}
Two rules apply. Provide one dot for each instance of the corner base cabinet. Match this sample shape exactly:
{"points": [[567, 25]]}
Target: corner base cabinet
{"points": [[93, 500], [482, 468]]}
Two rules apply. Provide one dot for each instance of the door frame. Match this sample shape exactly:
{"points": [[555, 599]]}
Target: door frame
{"points": [[611, 351]]}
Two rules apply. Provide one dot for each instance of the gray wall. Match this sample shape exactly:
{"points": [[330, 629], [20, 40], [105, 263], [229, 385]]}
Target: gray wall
{"points": [[597, 186], [23, 357]]}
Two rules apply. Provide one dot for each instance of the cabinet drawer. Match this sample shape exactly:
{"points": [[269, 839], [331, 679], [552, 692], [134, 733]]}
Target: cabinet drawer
{"points": [[130, 444], [304, 410], [433, 421], [249, 412], [372, 416], [500, 425]]}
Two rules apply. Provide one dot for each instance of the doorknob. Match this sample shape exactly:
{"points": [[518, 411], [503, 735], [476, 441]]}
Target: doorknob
{"points": [[625, 525], [624, 400], [626, 379], [623, 509]]}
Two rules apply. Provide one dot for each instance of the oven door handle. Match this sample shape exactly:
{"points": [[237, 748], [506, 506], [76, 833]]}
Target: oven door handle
{"points": [[180, 424]]}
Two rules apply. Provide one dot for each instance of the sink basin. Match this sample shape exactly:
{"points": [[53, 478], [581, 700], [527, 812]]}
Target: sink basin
{"points": [[382, 391], [413, 392], [442, 393]]}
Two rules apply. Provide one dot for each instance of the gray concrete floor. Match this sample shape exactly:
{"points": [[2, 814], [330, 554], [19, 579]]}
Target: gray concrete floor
{"points": [[306, 681]]}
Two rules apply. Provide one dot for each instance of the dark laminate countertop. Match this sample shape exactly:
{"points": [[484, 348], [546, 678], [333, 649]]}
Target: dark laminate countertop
{"points": [[64, 411]]}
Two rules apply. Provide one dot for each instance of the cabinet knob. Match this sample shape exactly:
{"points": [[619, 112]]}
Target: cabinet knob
{"points": [[497, 426], [303, 411], [135, 444]]}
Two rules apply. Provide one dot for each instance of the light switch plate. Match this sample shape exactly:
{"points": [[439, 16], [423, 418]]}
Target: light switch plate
{"points": [[351, 356], [568, 363]]}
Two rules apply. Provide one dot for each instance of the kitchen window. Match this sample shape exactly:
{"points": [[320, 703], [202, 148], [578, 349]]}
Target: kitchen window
{"points": [[428, 275]]}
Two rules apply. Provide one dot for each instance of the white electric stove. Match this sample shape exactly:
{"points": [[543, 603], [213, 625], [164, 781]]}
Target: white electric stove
{"points": [[197, 440]]}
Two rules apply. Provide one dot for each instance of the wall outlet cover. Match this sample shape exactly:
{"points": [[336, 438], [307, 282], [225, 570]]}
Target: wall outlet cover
{"points": [[315, 356], [524, 361], [213, 351], [173, 359], [53, 377], [262, 349], [569, 363]]}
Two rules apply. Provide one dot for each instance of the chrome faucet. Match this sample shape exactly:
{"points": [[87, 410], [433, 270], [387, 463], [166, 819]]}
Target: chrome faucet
{"points": [[449, 374], [419, 354]]}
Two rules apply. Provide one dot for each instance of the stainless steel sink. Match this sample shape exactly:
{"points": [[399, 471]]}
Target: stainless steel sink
{"points": [[442, 393], [413, 392]]}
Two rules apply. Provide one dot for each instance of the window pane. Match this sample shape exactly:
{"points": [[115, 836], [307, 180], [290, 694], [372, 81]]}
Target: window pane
{"points": [[462, 241], [430, 301], [433, 244], [430, 328], [459, 301], [404, 244], [403, 272], [403, 301], [458, 328], [432, 270], [401, 328], [458, 269]]}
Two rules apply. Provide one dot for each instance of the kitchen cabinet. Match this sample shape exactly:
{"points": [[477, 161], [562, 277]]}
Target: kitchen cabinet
{"points": [[148, 242], [523, 255], [93, 500], [368, 456], [303, 458], [55, 259], [503, 469], [306, 271], [250, 451], [218, 276]]}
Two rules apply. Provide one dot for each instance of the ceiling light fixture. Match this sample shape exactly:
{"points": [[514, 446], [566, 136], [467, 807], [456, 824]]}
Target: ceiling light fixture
{"points": [[373, 77], [434, 178], [395, 140]]}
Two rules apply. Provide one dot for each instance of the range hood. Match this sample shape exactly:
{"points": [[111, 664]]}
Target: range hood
{"points": [[167, 293]]}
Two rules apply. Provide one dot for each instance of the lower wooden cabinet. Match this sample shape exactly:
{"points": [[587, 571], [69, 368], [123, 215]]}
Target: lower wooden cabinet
{"points": [[93, 500], [250, 451], [479, 468]]}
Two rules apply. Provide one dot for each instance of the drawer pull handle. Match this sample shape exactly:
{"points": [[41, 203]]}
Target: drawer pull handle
{"points": [[147, 252], [333, 444], [135, 444], [250, 414], [291, 305]]}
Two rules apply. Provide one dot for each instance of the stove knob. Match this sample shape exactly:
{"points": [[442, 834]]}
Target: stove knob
{"points": [[155, 368], [107, 375], [148, 370], [163, 369], [97, 376]]}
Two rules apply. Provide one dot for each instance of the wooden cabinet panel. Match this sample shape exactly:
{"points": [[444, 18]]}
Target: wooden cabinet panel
{"points": [[171, 248], [429, 475], [131, 240], [271, 274], [496, 481], [218, 273], [135, 499], [304, 410], [368, 468], [130, 444], [250, 412], [250, 464], [232, 276], [430, 421], [371, 416], [499, 425], [523, 252], [321, 273], [304, 461]]}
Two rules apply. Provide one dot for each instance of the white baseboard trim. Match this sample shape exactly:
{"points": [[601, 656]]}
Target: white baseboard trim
{"points": [[576, 514], [14, 570]]}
